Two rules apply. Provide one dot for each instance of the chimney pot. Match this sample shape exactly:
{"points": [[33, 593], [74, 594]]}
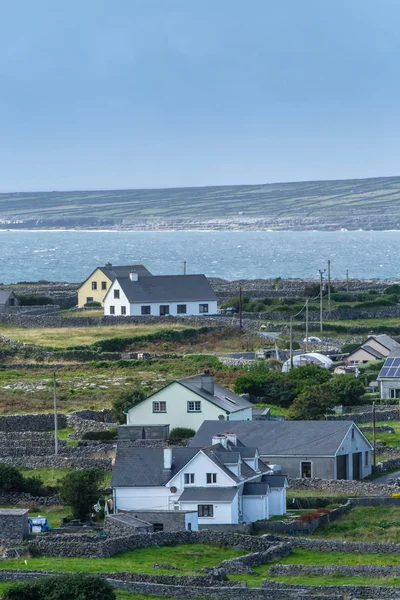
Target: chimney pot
{"points": [[220, 439]]}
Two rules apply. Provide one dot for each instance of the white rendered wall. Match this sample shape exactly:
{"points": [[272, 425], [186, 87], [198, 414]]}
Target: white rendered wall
{"points": [[193, 520], [200, 465], [350, 446], [277, 501], [242, 415], [116, 302], [192, 308], [255, 508], [223, 512], [176, 396], [131, 498]]}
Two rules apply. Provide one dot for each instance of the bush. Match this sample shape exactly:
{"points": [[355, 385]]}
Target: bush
{"points": [[33, 300], [393, 289], [92, 304], [11, 480], [181, 433], [311, 515], [80, 490], [348, 348], [103, 436], [63, 587], [124, 402]]}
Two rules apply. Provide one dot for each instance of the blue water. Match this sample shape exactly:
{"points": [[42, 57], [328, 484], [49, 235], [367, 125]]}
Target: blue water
{"points": [[72, 255]]}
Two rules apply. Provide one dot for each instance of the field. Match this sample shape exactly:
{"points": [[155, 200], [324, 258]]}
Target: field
{"points": [[378, 523], [325, 199]]}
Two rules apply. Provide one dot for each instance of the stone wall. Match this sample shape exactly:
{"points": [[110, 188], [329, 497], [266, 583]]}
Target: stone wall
{"points": [[389, 414], [243, 564], [341, 487], [335, 570], [171, 520], [13, 525], [34, 422], [13, 444], [297, 526]]}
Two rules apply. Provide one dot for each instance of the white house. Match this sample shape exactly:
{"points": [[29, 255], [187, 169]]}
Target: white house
{"points": [[160, 295], [188, 402], [224, 483]]}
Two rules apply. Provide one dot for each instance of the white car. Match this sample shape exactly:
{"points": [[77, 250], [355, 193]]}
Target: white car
{"points": [[312, 340]]}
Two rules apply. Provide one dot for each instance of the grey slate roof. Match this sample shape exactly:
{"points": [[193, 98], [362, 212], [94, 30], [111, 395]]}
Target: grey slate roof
{"points": [[5, 295], [208, 494], [285, 438], [123, 271], [139, 467], [274, 481], [255, 489], [167, 288], [223, 397], [371, 351], [129, 520], [386, 341]]}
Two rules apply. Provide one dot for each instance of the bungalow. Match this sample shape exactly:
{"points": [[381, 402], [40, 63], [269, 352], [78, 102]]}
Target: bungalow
{"points": [[160, 295], [187, 402], [225, 483], [96, 286], [376, 347], [389, 377], [325, 449]]}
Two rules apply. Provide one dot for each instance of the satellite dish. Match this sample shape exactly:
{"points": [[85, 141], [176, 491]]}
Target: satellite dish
{"points": [[173, 489], [221, 417]]}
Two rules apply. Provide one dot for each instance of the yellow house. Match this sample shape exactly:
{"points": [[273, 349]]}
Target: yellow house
{"points": [[96, 286]]}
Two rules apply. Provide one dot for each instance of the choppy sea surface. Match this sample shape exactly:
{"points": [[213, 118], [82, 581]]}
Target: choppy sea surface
{"points": [[72, 255]]}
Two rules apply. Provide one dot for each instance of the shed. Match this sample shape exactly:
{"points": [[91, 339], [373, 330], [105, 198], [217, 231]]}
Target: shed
{"points": [[14, 525], [7, 300]]}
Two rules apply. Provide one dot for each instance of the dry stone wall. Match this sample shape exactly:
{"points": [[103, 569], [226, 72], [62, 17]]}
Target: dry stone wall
{"points": [[341, 486], [34, 422]]}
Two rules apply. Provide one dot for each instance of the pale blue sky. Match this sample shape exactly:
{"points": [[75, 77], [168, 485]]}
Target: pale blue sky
{"points": [[160, 93]]}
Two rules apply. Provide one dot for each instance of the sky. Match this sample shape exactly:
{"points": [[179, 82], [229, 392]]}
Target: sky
{"points": [[97, 94]]}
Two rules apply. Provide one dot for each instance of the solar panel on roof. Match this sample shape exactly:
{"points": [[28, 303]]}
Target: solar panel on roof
{"points": [[392, 371], [384, 372], [397, 372], [389, 362], [396, 362]]}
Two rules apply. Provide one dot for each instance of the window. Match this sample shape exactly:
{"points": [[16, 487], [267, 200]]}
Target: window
{"points": [[205, 510], [352, 433], [89, 299], [158, 527], [181, 309], [116, 293], [94, 285], [305, 470], [211, 477], [164, 310], [146, 310], [123, 310], [367, 459], [394, 393], [159, 407], [188, 478], [104, 285], [203, 308], [112, 310], [194, 406]]}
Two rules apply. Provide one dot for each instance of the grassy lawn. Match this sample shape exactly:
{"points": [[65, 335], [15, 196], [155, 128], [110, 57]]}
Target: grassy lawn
{"points": [[275, 410], [121, 594], [187, 558], [390, 439], [63, 337], [54, 514], [377, 523], [335, 580]]}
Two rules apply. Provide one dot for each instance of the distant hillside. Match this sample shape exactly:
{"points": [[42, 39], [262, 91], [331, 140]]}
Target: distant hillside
{"points": [[353, 204]]}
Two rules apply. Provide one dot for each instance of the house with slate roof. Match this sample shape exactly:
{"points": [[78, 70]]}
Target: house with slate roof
{"points": [[325, 449], [96, 286], [7, 300], [135, 294], [189, 401], [389, 377], [225, 483], [376, 347]]}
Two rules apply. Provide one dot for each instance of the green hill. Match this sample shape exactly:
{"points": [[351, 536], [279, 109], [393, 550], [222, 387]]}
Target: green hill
{"points": [[367, 203]]}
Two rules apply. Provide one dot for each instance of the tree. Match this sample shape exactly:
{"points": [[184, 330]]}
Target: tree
{"points": [[274, 387], [346, 389], [309, 374], [80, 490], [312, 404], [124, 401], [62, 587], [11, 480]]}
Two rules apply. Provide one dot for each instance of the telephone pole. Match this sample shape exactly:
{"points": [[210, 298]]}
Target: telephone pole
{"points": [[307, 325], [347, 280], [240, 308], [184, 267], [55, 415], [329, 286], [291, 343], [321, 275]]}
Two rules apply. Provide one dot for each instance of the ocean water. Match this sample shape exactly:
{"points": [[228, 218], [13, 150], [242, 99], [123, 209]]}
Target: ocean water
{"points": [[72, 255]]}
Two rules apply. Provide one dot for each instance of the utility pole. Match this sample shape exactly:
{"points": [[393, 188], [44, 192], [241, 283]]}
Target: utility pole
{"points": [[55, 416], [329, 286], [184, 267], [374, 434], [347, 280], [291, 343], [321, 275], [240, 308], [307, 325]]}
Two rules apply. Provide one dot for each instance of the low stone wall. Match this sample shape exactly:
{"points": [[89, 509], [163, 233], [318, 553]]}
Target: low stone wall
{"points": [[22, 499], [331, 545], [35, 422], [342, 487], [58, 462], [389, 414], [38, 443], [102, 416], [244, 563], [296, 526], [389, 464], [329, 570]]}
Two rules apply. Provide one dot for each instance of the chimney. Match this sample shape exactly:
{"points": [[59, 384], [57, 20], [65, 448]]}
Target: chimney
{"points": [[168, 458], [108, 265], [207, 382], [219, 439], [133, 276], [232, 438]]}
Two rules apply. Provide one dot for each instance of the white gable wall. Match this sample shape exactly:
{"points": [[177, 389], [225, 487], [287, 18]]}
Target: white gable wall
{"points": [[109, 300], [224, 512], [277, 501], [131, 498], [255, 508], [200, 465], [176, 396], [353, 445]]}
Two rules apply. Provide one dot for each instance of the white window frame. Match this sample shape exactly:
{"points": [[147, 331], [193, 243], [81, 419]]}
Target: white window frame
{"points": [[204, 308], [112, 309], [188, 478], [159, 406], [200, 508], [117, 294], [193, 406], [94, 285], [123, 310], [211, 478], [394, 393]]}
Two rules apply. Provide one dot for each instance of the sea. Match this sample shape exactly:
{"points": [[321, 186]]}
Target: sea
{"points": [[71, 255]]}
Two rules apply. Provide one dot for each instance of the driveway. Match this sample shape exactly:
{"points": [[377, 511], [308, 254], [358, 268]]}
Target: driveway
{"points": [[385, 478]]}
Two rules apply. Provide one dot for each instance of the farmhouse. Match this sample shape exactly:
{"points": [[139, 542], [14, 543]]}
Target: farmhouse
{"points": [[224, 483], [188, 402], [325, 449], [389, 377], [96, 286], [160, 295], [375, 347], [7, 299]]}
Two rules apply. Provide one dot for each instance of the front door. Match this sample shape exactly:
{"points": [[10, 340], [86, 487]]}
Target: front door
{"points": [[357, 465]]}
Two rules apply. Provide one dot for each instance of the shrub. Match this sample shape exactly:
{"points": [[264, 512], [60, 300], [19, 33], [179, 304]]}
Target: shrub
{"points": [[33, 300], [80, 490], [181, 433], [311, 515], [124, 401], [11, 480], [103, 436], [63, 587], [92, 304]]}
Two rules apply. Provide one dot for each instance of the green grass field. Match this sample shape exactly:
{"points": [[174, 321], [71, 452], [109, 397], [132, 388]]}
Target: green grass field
{"points": [[378, 523]]}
